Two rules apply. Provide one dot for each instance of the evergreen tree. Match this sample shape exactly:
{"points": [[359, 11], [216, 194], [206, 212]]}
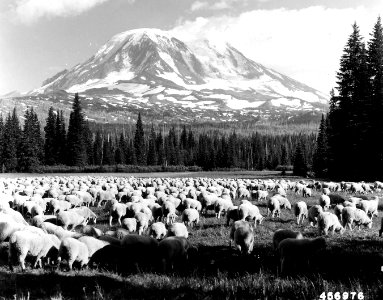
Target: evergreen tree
{"points": [[98, 149], [1, 142], [120, 152], [108, 158], [139, 142], [161, 160], [50, 153], [76, 146], [152, 150], [60, 139], [31, 144], [11, 139], [88, 139], [320, 155], [300, 166]]}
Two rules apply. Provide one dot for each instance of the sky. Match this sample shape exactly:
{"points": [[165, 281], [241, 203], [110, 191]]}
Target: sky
{"points": [[303, 39]]}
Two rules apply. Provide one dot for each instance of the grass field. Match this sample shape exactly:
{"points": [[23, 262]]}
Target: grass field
{"points": [[351, 263]]}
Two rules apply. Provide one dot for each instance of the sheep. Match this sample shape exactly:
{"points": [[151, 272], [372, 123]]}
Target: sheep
{"points": [[158, 230], [273, 206], [58, 231], [168, 211], [300, 211], [104, 196], [249, 211], [117, 210], [370, 206], [70, 219], [7, 228], [282, 234], [338, 211], [326, 191], [86, 212], [192, 203], [15, 215], [242, 233], [295, 253], [85, 197], [39, 219], [59, 205], [37, 210], [324, 202], [306, 192], [88, 230], [73, 200], [207, 200], [22, 243], [93, 244], [130, 224], [232, 214], [262, 195], [313, 214], [173, 251], [142, 222], [283, 201], [327, 220], [222, 205], [73, 250], [351, 214], [190, 217], [178, 229]]}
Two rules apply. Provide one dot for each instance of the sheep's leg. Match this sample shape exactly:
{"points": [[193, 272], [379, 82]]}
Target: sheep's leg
{"points": [[119, 220], [22, 262]]}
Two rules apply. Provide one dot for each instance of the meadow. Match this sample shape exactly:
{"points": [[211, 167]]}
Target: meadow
{"points": [[352, 262]]}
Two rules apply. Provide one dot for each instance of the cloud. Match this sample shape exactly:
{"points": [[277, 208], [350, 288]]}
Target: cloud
{"points": [[216, 5], [305, 44], [29, 11]]}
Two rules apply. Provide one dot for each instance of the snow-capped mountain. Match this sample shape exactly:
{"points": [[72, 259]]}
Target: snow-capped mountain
{"points": [[152, 70]]}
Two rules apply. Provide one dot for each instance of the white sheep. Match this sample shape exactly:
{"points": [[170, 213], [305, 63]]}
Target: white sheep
{"points": [[351, 214], [262, 195], [370, 207], [67, 218], [130, 224], [117, 210], [313, 213], [190, 217], [222, 205], [300, 211], [88, 230], [326, 221], [93, 244], [306, 192], [178, 229], [168, 211], [192, 203], [23, 243], [324, 201], [73, 250], [296, 253], [273, 206], [58, 231], [283, 201], [282, 234], [158, 230], [8, 227], [142, 222], [242, 233], [338, 211]]}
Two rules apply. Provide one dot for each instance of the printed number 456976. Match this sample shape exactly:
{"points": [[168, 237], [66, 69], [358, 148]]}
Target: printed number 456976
{"points": [[341, 296]]}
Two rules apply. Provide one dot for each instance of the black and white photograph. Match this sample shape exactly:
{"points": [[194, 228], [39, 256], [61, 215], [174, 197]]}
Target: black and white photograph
{"points": [[191, 149]]}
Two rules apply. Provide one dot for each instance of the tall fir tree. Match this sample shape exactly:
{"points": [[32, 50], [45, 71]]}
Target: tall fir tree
{"points": [[76, 147], [152, 150], [12, 142], [300, 166], [50, 153], [97, 149], [1, 142], [320, 155], [60, 139], [139, 142], [31, 143]]}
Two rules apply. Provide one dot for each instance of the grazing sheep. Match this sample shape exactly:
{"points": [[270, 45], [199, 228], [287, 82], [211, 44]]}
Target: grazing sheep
{"points": [[273, 206], [249, 211], [73, 250], [190, 217], [300, 211], [370, 207], [58, 231], [22, 243], [66, 219], [93, 244], [313, 213], [59, 205], [117, 210], [88, 230], [37, 210], [306, 192], [142, 222], [232, 214], [158, 230], [336, 199], [327, 220], [282, 234], [130, 224], [295, 253], [178, 229], [262, 195], [351, 214], [104, 196], [242, 233], [7, 228], [15, 215], [39, 219], [338, 211], [222, 205], [326, 191], [86, 212], [283, 201], [168, 211], [207, 200], [192, 203], [324, 202], [173, 251]]}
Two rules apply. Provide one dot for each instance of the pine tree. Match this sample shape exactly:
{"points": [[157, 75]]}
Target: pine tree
{"points": [[97, 149], [12, 141], [300, 166], [152, 150], [108, 158], [120, 150], [139, 142], [60, 139], [320, 155], [76, 147], [31, 143], [1, 142], [160, 147], [88, 139], [50, 153]]}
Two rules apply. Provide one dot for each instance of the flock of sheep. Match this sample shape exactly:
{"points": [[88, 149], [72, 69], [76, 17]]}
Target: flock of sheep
{"points": [[49, 218]]}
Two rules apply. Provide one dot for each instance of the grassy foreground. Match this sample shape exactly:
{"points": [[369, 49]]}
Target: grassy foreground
{"points": [[351, 263]]}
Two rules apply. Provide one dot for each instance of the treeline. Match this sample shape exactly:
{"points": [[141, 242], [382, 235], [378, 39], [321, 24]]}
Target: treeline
{"points": [[349, 138], [26, 149]]}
